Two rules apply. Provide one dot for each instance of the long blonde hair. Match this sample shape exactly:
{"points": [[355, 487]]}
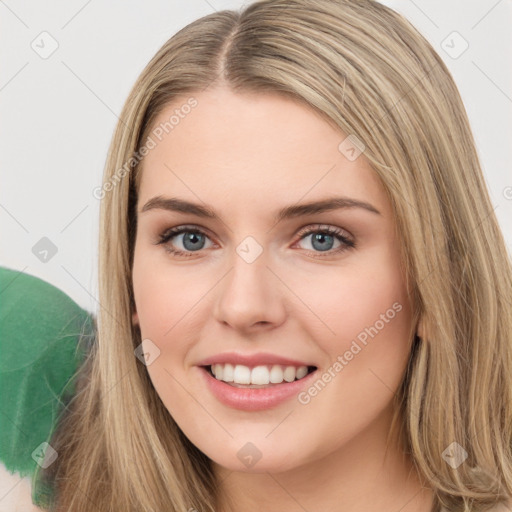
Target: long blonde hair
{"points": [[370, 73]]}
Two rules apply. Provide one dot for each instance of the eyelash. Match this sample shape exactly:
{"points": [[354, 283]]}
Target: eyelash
{"points": [[346, 243]]}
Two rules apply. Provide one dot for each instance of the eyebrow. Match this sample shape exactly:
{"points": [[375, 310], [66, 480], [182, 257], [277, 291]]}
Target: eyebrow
{"points": [[288, 212]]}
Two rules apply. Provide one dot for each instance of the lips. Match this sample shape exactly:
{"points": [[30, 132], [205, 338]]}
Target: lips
{"points": [[251, 398], [252, 360], [254, 397]]}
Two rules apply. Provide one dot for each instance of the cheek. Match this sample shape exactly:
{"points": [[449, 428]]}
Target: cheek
{"points": [[164, 301], [161, 292], [370, 314], [361, 319], [167, 299], [344, 302]]}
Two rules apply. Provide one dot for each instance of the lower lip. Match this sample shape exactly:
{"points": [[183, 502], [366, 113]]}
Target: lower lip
{"points": [[254, 399]]}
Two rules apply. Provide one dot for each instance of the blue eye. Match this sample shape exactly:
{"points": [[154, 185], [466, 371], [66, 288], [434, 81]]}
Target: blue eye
{"points": [[194, 238], [323, 238], [192, 241]]}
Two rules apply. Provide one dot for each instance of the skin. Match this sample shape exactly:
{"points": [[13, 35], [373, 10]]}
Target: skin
{"points": [[248, 155]]}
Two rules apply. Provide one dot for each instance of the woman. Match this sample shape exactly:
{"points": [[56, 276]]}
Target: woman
{"points": [[342, 338]]}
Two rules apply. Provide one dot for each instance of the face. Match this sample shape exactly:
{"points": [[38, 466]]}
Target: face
{"points": [[317, 287]]}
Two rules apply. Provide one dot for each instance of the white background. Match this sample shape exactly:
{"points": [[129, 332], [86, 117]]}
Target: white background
{"points": [[58, 114]]}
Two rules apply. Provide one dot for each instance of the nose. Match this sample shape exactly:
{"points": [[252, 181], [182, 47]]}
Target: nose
{"points": [[250, 296]]}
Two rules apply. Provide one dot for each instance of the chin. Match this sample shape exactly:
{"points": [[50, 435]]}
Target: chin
{"points": [[254, 457], [264, 465]]}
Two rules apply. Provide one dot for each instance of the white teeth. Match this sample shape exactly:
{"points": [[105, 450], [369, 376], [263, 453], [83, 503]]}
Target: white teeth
{"points": [[276, 374], [228, 373], [289, 374], [241, 375], [218, 371], [302, 371], [259, 375]]}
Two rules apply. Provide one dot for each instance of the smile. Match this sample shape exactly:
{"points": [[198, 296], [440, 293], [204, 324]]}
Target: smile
{"points": [[258, 376], [249, 396]]}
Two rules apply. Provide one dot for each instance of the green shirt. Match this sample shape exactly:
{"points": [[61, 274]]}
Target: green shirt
{"points": [[40, 327]]}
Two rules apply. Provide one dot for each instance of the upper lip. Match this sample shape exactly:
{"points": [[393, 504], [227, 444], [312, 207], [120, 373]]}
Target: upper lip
{"points": [[260, 358]]}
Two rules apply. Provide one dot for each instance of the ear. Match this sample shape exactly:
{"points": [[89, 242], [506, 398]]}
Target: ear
{"points": [[420, 329]]}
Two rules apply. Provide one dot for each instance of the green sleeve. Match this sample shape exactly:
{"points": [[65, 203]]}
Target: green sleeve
{"points": [[40, 330]]}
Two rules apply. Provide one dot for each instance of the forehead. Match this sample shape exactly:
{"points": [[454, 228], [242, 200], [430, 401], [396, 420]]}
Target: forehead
{"points": [[217, 145]]}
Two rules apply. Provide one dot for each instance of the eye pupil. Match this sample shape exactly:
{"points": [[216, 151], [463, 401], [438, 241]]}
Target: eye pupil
{"points": [[193, 238], [320, 237]]}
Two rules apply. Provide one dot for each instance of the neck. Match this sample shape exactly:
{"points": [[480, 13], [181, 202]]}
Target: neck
{"points": [[363, 474]]}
